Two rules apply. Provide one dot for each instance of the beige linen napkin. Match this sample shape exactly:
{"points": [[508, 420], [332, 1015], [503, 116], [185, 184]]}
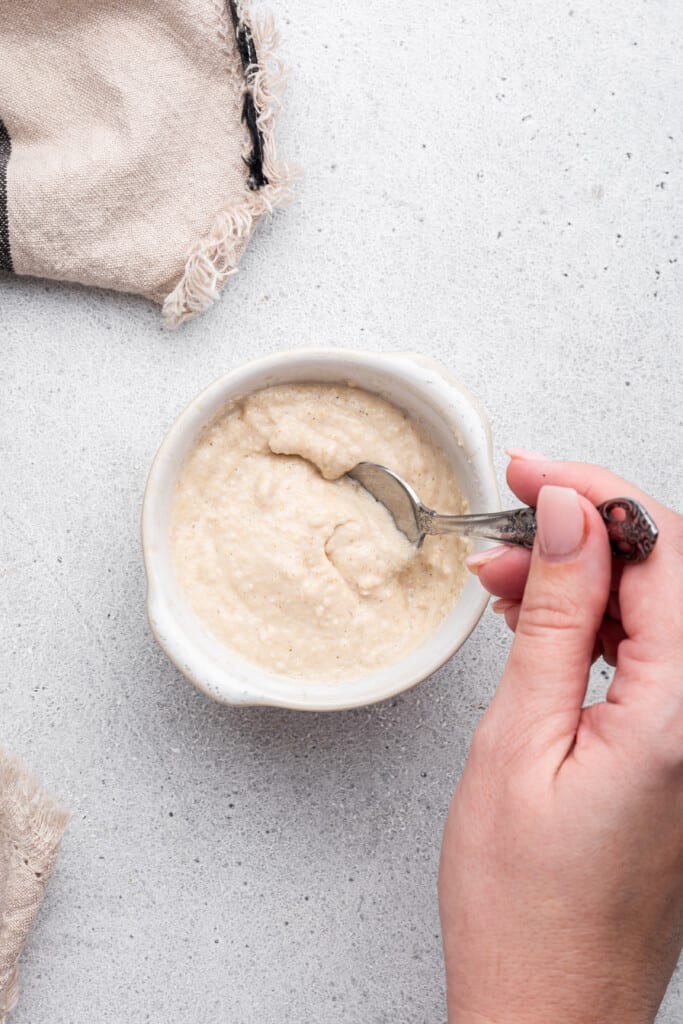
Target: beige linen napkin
{"points": [[136, 144], [31, 827]]}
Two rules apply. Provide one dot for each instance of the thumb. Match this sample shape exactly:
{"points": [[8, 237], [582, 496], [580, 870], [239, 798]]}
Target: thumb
{"points": [[544, 682]]}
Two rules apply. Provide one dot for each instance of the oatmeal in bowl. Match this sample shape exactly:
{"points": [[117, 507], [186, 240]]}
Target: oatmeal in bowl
{"points": [[273, 578]]}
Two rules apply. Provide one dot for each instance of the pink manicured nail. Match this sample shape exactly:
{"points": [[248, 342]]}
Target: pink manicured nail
{"points": [[475, 562], [522, 453], [561, 522], [502, 604]]}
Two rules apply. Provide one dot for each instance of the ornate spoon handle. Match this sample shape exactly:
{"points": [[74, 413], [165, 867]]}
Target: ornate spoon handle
{"points": [[632, 531]]}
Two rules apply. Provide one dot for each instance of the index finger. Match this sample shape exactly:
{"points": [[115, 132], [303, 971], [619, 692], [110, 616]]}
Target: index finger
{"points": [[526, 476]]}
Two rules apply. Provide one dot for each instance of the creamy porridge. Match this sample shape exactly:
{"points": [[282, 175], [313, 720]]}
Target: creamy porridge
{"points": [[294, 565]]}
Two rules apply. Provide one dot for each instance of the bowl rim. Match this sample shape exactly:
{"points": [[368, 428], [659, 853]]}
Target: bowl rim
{"points": [[168, 628]]}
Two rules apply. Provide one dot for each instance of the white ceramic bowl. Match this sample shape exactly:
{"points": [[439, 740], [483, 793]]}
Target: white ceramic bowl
{"points": [[432, 397]]}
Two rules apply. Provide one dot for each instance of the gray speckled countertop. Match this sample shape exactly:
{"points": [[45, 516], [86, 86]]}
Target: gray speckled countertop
{"points": [[498, 186]]}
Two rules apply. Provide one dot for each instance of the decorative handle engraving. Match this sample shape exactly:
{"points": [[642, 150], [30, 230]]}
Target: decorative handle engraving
{"points": [[632, 530], [519, 527]]}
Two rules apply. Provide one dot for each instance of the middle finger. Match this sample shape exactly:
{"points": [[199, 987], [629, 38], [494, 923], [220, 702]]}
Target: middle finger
{"points": [[504, 572]]}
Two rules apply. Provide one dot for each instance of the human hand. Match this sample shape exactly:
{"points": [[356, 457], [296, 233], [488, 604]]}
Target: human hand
{"points": [[561, 882]]}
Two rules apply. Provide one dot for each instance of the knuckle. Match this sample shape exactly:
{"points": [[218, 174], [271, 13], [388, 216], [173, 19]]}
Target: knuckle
{"points": [[505, 769], [554, 612], [668, 747], [499, 745], [485, 742], [522, 793]]}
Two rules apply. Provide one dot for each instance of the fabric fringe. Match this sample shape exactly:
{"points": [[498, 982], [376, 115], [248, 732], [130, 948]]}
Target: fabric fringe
{"points": [[29, 813], [215, 257], [31, 828], [9, 995]]}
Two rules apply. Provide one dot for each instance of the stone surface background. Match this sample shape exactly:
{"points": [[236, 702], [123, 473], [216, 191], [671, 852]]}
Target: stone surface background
{"points": [[497, 185]]}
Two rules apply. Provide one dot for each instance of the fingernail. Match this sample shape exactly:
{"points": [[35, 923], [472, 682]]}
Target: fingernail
{"points": [[502, 604], [475, 562], [523, 453], [561, 522]]}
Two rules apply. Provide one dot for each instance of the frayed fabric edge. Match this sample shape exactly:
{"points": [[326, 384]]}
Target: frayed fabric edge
{"points": [[37, 824], [215, 257], [9, 995]]}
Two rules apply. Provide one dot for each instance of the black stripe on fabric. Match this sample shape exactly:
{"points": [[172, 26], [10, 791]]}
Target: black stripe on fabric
{"points": [[249, 59], [5, 149]]}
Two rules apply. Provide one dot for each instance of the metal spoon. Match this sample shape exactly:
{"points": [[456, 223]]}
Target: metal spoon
{"points": [[632, 532]]}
